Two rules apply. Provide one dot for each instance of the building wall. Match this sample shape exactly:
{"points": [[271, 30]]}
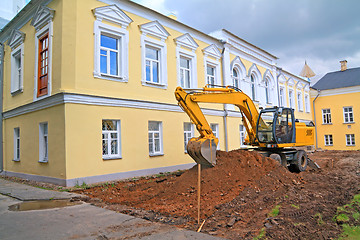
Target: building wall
{"points": [[335, 100]]}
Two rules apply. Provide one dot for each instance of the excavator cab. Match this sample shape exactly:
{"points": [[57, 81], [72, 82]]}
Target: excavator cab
{"points": [[276, 126]]}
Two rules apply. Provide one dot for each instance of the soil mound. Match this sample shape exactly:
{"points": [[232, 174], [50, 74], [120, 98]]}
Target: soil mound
{"points": [[172, 195]]}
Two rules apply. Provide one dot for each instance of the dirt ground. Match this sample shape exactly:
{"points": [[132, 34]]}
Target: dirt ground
{"points": [[239, 194]]}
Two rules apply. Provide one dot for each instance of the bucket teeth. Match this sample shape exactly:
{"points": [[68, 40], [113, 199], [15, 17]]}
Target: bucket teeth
{"points": [[203, 151]]}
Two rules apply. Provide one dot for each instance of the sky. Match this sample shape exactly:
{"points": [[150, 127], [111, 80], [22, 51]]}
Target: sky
{"points": [[320, 32]]}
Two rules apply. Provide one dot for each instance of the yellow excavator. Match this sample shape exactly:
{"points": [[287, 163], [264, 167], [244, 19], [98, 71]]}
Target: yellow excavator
{"points": [[272, 132]]}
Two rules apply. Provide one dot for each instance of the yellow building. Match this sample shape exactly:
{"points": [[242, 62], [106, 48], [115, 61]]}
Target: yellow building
{"points": [[336, 103], [88, 90]]}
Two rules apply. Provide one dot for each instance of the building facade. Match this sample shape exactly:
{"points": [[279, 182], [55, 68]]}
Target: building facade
{"points": [[88, 90], [336, 98]]}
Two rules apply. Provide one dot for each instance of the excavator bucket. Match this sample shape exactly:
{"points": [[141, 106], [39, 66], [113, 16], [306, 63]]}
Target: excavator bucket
{"points": [[203, 151]]}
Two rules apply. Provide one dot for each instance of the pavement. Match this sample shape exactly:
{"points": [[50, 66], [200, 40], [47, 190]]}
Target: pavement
{"points": [[83, 221]]}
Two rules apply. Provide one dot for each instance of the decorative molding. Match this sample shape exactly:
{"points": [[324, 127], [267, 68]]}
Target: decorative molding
{"points": [[155, 29], [16, 38], [42, 16], [186, 41], [290, 82], [300, 85], [237, 63], [269, 76], [212, 51], [253, 70], [307, 87], [112, 14], [282, 78]]}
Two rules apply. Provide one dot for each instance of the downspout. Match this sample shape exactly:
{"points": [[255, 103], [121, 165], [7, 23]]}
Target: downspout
{"points": [[1, 105], [316, 136], [224, 66], [277, 85]]}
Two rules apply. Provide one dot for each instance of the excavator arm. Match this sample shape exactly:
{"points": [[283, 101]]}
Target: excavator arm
{"points": [[203, 148]]}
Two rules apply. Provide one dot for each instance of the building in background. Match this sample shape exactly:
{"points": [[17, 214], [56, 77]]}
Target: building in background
{"points": [[336, 98], [88, 90]]}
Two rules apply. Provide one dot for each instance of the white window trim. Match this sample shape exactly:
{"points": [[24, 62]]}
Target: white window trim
{"points": [[291, 98], [327, 140], [216, 133], [17, 87], [193, 69], [300, 101], [268, 91], [307, 103], [16, 137], [47, 28], [214, 64], [282, 97], [244, 133], [146, 41], [352, 143], [238, 78], [114, 156], [323, 114], [161, 152], [352, 111], [42, 157], [191, 132], [123, 57]]}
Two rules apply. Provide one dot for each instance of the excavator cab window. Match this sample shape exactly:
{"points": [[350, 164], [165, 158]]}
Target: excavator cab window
{"points": [[284, 126], [265, 132]]}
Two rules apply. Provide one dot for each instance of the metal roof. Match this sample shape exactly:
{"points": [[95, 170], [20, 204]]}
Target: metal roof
{"points": [[339, 79]]}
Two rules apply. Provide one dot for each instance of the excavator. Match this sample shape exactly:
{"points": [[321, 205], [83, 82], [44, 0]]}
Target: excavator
{"points": [[274, 132]]}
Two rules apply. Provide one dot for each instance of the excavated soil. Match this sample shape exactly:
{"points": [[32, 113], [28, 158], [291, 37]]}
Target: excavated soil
{"points": [[238, 194]]}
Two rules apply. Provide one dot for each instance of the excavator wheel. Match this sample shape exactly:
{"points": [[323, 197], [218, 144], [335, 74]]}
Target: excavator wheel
{"points": [[300, 163]]}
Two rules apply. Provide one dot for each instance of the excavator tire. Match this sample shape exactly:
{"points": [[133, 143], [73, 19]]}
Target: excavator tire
{"points": [[300, 163]]}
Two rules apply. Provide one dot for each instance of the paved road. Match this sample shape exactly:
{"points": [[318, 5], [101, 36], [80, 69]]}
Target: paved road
{"points": [[75, 222]]}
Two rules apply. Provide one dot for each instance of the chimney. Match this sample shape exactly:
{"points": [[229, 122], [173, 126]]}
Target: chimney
{"points": [[343, 65]]}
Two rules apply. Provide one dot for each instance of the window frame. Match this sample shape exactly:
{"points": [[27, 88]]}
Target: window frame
{"points": [[160, 131], [214, 64], [216, 133], [161, 46], [282, 96], [351, 141], [267, 91], [109, 138], [188, 134], [242, 132], [300, 101], [46, 30], [237, 78], [307, 103], [328, 140], [182, 53], [291, 98], [16, 144], [346, 114], [43, 142], [17, 83], [122, 35], [253, 87], [328, 114]]}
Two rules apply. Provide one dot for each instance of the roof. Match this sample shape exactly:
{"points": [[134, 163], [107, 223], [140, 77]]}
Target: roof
{"points": [[306, 71], [339, 79]]}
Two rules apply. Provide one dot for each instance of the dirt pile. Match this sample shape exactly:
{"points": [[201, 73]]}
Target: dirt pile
{"points": [[177, 195]]}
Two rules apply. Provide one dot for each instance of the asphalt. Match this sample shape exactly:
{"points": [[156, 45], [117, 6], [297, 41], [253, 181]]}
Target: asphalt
{"points": [[83, 221]]}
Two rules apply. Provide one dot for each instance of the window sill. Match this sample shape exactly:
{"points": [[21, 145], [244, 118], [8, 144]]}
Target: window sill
{"points": [[156, 85], [17, 92], [327, 124], [328, 145], [112, 158], [350, 145], [43, 161], [110, 77], [349, 122], [156, 154], [16, 160]]}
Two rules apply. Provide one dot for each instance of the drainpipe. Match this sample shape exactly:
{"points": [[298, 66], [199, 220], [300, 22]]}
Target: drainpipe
{"points": [[316, 136], [277, 85], [1, 105], [225, 68]]}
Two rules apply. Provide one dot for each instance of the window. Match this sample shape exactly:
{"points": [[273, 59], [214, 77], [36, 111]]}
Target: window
{"points": [[307, 103], [350, 139], [300, 101], [348, 115], [242, 135], [215, 130], [43, 65], [185, 72], [17, 62], [16, 144], [155, 138], [282, 100], [111, 139], [328, 140], [267, 91], [110, 52], [236, 78], [253, 89], [210, 75], [188, 134], [109, 55], [291, 98], [326, 115], [152, 60], [43, 142]]}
